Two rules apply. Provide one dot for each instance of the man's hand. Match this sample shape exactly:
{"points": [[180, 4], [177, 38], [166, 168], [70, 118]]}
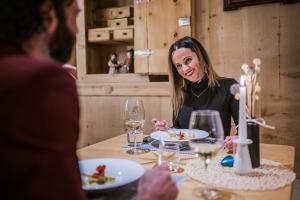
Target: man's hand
{"points": [[157, 184]]}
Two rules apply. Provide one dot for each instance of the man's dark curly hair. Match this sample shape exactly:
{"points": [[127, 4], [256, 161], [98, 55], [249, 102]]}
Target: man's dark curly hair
{"points": [[21, 19]]}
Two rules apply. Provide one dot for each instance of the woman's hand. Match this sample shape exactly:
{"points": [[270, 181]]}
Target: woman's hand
{"points": [[228, 143], [160, 125]]}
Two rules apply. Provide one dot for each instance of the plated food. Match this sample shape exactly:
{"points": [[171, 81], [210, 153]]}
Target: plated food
{"points": [[178, 135], [106, 173], [98, 177], [181, 135]]}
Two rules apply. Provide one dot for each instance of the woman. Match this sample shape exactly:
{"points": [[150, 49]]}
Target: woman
{"points": [[197, 86]]}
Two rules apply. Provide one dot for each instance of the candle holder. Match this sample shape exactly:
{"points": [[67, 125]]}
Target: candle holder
{"points": [[242, 161], [247, 95], [253, 134], [251, 130]]}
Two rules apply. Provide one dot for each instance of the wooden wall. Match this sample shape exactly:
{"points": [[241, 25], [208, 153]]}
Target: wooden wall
{"points": [[102, 108], [270, 32]]}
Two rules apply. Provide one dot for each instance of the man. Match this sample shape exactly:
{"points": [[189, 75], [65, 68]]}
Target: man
{"points": [[39, 110]]}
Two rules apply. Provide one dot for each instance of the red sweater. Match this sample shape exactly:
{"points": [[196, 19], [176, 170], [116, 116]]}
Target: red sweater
{"points": [[39, 127]]}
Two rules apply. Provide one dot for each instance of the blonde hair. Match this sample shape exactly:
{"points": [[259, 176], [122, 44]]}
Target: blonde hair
{"points": [[179, 84]]}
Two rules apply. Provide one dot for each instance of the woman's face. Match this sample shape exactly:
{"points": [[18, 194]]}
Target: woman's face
{"points": [[187, 64]]}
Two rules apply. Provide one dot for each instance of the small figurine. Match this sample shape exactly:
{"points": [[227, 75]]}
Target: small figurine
{"points": [[114, 64], [128, 63]]}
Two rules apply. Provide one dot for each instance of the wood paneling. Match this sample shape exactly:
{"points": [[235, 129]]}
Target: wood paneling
{"points": [[163, 30], [156, 28], [290, 78], [140, 37], [125, 89], [270, 32], [81, 42], [102, 116]]}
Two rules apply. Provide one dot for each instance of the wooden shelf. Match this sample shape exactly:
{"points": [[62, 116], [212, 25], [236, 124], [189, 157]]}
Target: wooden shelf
{"points": [[109, 38], [114, 28], [114, 42]]}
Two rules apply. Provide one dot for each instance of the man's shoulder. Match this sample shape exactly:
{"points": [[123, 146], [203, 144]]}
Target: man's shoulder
{"points": [[23, 64], [19, 69]]}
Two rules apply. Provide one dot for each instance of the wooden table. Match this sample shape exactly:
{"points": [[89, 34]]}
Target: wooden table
{"points": [[113, 148]]}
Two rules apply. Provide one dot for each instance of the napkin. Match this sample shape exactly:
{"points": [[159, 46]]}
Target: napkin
{"points": [[178, 179], [183, 146]]}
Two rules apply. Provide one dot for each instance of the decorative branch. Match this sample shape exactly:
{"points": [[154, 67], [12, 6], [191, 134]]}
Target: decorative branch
{"points": [[252, 85]]}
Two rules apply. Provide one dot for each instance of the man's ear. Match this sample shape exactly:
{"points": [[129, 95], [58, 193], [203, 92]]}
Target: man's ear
{"points": [[49, 17]]}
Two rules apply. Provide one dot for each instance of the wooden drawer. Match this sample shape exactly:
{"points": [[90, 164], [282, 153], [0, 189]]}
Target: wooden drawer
{"points": [[121, 12], [123, 34], [98, 35], [103, 14], [123, 22]]}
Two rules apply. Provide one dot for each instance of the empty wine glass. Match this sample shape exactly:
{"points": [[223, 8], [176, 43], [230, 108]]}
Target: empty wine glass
{"points": [[134, 118], [208, 147], [168, 153]]}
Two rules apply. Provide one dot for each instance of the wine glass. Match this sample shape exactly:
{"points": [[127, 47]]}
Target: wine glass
{"points": [[208, 147], [168, 153], [134, 118]]}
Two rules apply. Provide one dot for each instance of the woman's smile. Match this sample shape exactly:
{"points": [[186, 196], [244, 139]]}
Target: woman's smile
{"points": [[187, 64], [189, 72]]}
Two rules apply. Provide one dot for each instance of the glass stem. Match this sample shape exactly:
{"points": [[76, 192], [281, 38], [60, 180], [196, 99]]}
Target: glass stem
{"points": [[134, 141], [206, 161]]}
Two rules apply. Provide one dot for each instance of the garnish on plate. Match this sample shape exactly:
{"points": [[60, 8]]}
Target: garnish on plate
{"points": [[178, 136], [98, 177], [181, 135]]}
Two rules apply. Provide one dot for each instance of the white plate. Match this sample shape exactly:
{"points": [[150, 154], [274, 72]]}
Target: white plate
{"points": [[125, 171], [164, 135]]}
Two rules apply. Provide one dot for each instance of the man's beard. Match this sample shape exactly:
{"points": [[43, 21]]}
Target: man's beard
{"points": [[61, 43]]}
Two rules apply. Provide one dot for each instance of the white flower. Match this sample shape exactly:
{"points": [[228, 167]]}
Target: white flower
{"points": [[251, 70], [245, 67], [257, 88], [256, 61]]}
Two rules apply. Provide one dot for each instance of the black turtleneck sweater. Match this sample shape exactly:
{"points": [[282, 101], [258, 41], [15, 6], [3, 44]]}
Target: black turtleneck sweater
{"points": [[199, 97]]}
